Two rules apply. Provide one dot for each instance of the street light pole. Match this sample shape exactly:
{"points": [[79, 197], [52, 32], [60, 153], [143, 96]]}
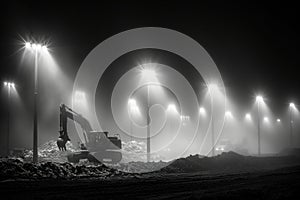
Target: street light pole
{"points": [[292, 105], [148, 125], [37, 48], [211, 88], [212, 132], [9, 85], [8, 120], [258, 99], [35, 112]]}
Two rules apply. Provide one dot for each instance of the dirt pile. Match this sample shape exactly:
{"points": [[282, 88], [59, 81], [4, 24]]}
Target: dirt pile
{"points": [[50, 152], [19, 169], [229, 162], [136, 151]]}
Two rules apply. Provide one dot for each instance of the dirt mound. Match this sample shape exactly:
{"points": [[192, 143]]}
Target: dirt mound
{"points": [[136, 151], [50, 152], [290, 152], [19, 169], [229, 162]]}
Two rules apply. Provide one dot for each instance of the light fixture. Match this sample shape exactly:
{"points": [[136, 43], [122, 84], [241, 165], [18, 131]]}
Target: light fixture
{"points": [[259, 98]]}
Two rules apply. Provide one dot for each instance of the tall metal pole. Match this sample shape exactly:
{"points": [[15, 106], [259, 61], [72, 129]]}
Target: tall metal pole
{"points": [[258, 128], [212, 134], [131, 124], [291, 128], [35, 112], [8, 120], [148, 126], [212, 125]]}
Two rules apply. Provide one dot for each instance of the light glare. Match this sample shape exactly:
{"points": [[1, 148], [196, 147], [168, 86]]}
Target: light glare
{"points": [[228, 114], [292, 105], [172, 108], [38, 46], [202, 111], [248, 116], [27, 45], [259, 98], [132, 102]]}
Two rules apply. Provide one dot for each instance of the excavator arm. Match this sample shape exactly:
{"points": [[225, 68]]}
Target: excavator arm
{"points": [[65, 114]]}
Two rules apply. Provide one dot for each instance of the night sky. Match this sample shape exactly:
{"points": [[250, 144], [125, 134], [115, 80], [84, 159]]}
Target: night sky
{"points": [[254, 45]]}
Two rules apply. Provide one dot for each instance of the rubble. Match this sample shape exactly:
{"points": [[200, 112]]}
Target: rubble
{"points": [[11, 168], [50, 152], [136, 151], [228, 162]]}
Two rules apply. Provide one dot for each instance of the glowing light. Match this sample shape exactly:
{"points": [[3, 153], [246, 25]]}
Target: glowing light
{"points": [[202, 111], [35, 46], [212, 87], [133, 108], [172, 108], [248, 116], [132, 102], [184, 118], [278, 120], [9, 84], [27, 45], [259, 98], [266, 119], [44, 48], [228, 114], [148, 74], [292, 105], [38, 46]]}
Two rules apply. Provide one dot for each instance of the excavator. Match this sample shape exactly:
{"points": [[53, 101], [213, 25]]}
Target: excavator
{"points": [[97, 146]]}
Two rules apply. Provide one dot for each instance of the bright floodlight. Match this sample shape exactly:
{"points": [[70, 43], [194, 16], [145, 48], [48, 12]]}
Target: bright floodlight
{"points": [[44, 48], [259, 98], [202, 111], [35, 46], [9, 84], [266, 119], [278, 120], [27, 45], [184, 117], [228, 114], [38, 46], [248, 116], [132, 102], [148, 73], [172, 108], [292, 105]]}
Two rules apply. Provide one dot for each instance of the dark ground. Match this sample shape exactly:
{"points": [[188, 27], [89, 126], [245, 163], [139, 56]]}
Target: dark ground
{"points": [[283, 183]]}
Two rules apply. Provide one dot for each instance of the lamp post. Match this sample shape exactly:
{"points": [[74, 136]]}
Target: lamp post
{"points": [[291, 108], [212, 88], [148, 74], [9, 85], [37, 48], [259, 99]]}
